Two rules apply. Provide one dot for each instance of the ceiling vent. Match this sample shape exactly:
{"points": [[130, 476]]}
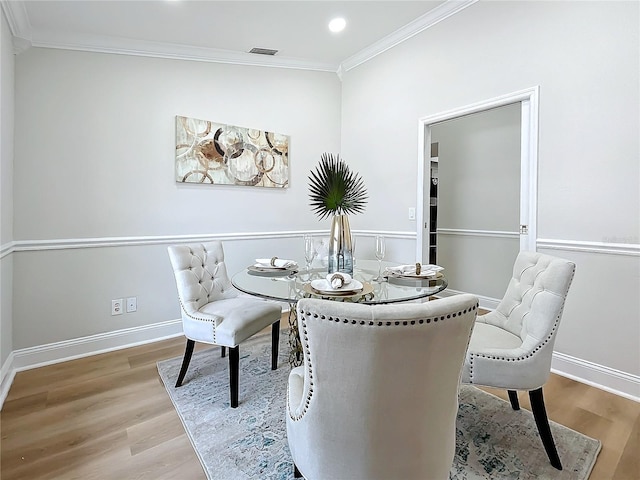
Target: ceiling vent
{"points": [[263, 51]]}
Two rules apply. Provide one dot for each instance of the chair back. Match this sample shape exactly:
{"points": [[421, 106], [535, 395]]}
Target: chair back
{"points": [[201, 274], [534, 301], [380, 394]]}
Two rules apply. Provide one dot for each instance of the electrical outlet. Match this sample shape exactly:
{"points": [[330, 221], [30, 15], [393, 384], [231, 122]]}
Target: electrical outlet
{"points": [[412, 213], [132, 304], [116, 307]]}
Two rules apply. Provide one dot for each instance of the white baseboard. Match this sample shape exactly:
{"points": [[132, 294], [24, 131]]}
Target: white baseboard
{"points": [[615, 381], [7, 373], [33, 357], [487, 303], [611, 380]]}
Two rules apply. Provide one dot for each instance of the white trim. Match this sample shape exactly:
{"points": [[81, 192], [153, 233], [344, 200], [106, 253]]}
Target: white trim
{"points": [[7, 374], [17, 18], [145, 48], [24, 37], [42, 355], [487, 303], [608, 379], [478, 233], [632, 249], [529, 98], [429, 19], [6, 249], [101, 242]]}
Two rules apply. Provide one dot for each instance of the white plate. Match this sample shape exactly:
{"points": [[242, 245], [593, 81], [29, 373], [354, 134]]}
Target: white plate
{"points": [[422, 276], [322, 286]]}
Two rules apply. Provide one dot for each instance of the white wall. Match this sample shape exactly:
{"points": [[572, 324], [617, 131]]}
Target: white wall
{"points": [[95, 148], [478, 189], [6, 188], [585, 58]]}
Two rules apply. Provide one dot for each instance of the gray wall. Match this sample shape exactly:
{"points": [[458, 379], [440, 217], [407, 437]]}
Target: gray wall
{"points": [[479, 189], [6, 187], [95, 151], [585, 58]]}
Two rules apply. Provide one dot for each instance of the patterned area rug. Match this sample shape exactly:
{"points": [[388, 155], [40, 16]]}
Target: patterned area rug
{"points": [[250, 442]]}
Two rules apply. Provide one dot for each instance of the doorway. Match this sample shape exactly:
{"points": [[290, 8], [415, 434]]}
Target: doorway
{"points": [[481, 160]]}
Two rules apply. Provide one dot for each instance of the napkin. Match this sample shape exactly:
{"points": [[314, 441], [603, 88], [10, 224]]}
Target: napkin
{"points": [[411, 270], [277, 262], [338, 279]]}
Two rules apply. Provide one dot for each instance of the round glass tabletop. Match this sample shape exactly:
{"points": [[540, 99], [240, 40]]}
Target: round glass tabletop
{"points": [[291, 287]]}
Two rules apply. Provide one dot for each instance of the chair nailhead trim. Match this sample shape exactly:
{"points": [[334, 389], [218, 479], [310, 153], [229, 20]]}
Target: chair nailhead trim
{"points": [[307, 350]]}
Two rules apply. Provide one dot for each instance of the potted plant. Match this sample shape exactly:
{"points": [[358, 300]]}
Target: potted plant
{"points": [[334, 190]]}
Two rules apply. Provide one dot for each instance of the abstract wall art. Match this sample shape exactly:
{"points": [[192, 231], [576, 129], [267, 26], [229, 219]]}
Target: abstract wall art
{"points": [[214, 153]]}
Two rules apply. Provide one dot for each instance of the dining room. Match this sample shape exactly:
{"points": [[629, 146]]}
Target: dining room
{"points": [[91, 199]]}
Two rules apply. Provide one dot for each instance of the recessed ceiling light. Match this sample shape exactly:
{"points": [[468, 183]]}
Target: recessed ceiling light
{"points": [[337, 24]]}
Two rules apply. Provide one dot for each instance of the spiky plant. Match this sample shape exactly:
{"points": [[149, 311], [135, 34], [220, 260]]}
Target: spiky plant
{"points": [[334, 189]]}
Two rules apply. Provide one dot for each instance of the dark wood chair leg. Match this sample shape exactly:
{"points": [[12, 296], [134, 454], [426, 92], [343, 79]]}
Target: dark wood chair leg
{"points": [[188, 351], [275, 340], [234, 368], [513, 398], [542, 422], [223, 352], [296, 472]]}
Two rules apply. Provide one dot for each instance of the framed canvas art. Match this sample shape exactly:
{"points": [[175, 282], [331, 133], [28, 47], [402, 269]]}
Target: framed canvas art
{"points": [[214, 153]]}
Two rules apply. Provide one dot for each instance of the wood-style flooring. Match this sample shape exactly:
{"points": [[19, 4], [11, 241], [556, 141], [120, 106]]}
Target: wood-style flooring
{"points": [[109, 417]]}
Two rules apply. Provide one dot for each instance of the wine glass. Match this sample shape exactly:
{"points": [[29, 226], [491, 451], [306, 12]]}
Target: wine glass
{"points": [[380, 249], [309, 251]]}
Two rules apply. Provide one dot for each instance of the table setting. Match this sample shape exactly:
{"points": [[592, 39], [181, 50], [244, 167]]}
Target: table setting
{"points": [[273, 266]]}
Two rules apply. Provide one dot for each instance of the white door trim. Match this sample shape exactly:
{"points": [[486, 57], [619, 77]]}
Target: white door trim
{"points": [[529, 99]]}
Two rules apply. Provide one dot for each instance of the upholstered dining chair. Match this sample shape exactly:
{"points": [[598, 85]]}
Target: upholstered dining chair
{"points": [[377, 395], [212, 310], [511, 347]]}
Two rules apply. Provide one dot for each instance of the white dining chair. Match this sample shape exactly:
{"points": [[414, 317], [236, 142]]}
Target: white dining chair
{"points": [[377, 395], [212, 311], [511, 347]]}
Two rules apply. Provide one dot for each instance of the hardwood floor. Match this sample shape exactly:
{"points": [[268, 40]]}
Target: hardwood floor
{"points": [[109, 417]]}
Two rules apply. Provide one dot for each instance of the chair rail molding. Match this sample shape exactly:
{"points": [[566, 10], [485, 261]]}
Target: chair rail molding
{"points": [[610, 248], [102, 242], [7, 249]]}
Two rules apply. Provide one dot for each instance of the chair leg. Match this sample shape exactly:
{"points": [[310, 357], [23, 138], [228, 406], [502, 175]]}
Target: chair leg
{"points": [[234, 367], [275, 340], [223, 352], [296, 472], [542, 422], [188, 351], [513, 398]]}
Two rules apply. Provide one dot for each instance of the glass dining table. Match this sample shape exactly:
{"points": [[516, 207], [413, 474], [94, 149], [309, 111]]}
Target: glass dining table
{"points": [[290, 286]]}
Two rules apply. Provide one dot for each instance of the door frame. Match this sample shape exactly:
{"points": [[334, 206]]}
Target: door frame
{"points": [[528, 98]]}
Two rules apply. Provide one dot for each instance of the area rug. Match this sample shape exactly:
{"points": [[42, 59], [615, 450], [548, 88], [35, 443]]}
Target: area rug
{"points": [[250, 442]]}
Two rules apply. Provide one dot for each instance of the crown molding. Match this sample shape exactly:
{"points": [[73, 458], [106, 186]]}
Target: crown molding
{"points": [[429, 19], [18, 20], [25, 37], [145, 48]]}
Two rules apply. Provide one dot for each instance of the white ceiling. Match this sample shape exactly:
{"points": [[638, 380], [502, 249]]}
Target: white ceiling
{"points": [[227, 30]]}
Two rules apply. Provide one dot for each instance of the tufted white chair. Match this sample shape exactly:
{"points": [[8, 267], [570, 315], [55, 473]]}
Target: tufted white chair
{"points": [[511, 347], [377, 395], [212, 311]]}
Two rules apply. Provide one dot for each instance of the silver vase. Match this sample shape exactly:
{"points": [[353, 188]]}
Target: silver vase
{"points": [[340, 246]]}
